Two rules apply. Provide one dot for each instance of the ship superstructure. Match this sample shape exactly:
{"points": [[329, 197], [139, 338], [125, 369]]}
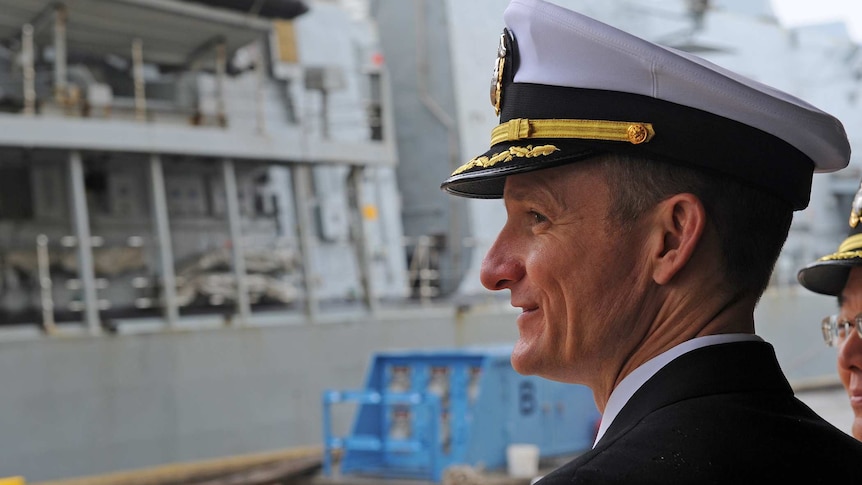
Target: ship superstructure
{"points": [[152, 151]]}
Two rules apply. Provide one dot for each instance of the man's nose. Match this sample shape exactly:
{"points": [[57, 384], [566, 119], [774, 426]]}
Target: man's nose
{"points": [[850, 352], [501, 267]]}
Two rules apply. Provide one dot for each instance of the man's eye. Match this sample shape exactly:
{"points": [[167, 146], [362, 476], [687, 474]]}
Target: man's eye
{"points": [[538, 218]]}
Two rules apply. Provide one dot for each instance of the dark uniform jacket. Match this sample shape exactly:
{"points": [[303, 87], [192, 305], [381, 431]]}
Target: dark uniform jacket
{"points": [[719, 414]]}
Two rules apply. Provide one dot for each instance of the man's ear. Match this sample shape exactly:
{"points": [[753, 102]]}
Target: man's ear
{"points": [[679, 224]]}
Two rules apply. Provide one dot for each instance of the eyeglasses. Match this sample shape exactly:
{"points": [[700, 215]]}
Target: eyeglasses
{"points": [[837, 329]]}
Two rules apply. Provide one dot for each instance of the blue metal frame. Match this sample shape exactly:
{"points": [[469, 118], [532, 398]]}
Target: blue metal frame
{"points": [[380, 446]]}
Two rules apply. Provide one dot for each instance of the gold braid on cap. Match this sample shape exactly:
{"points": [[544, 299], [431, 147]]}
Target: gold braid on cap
{"points": [[841, 256], [522, 128], [852, 243], [508, 155], [851, 248]]}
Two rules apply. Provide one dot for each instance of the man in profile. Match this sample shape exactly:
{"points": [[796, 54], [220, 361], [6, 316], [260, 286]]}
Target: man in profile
{"points": [[648, 194]]}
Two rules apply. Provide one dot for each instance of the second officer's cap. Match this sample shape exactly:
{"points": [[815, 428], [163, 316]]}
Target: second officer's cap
{"points": [[829, 273]]}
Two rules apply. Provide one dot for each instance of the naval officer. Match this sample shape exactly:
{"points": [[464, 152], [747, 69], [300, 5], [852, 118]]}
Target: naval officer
{"points": [[840, 274], [648, 194]]}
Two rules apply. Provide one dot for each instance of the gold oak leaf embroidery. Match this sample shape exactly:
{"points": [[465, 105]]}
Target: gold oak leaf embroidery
{"points": [[506, 156]]}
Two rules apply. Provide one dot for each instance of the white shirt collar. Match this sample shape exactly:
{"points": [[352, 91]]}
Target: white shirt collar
{"points": [[632, 382]]}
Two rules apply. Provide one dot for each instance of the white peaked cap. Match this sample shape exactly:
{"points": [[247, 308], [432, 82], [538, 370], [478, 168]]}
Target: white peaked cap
{"points": [[556, 64]]}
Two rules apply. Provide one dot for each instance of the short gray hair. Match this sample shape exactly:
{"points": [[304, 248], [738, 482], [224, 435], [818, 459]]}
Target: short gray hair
{"points": [[752, 225]]}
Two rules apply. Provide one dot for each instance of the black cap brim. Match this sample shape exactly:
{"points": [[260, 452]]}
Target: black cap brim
{"points": [[829, 276]]}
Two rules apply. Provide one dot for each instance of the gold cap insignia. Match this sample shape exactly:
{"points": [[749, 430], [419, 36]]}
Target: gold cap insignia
{"points": [[497, 76], [856, 208]]}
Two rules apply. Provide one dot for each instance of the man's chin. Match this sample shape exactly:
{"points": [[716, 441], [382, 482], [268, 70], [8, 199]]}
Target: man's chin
{"points": [[522, 360]]}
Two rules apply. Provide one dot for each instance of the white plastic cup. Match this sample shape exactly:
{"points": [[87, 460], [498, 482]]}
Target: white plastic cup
{"points": [[522, 460]]}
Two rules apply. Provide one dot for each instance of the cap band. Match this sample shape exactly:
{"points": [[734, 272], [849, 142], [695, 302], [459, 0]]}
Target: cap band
{"points": [[523, 128], [682, 135]]}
